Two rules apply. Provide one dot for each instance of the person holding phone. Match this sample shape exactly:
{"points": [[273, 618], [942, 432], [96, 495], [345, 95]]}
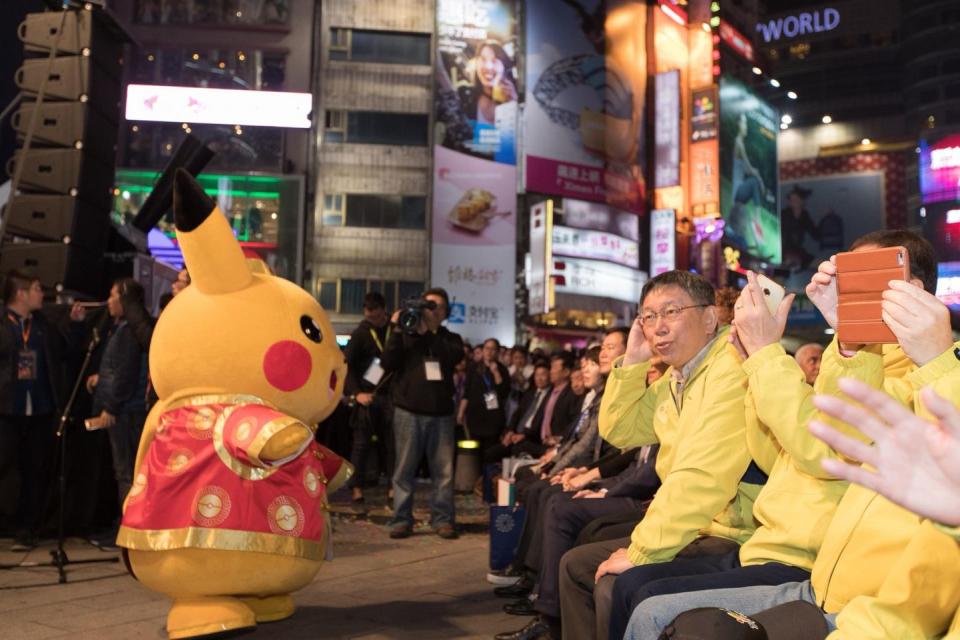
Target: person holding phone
{"points": [[870, 551]]}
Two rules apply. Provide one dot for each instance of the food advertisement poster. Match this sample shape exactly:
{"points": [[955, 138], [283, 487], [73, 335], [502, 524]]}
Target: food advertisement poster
{"points": [[476, 86], [584, 104], [748, 171], [474, 243]]}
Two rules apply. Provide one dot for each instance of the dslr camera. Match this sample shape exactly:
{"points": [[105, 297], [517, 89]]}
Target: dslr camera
{"points": [[412, 311]]}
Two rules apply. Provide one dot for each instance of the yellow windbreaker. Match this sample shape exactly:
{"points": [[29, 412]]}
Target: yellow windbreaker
{"points": [[898, 573], [799, 499], [702, 456], [954, 633], [917, 599]]}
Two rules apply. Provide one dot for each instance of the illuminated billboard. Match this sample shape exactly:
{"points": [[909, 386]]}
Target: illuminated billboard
{"points": [[748, 170], [200, 105], [940, 169]]}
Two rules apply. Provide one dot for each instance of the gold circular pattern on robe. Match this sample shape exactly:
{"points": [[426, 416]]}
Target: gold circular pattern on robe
{"points": [[242, 433], [138, 487], [200, 424], [285, 516], [311, 481], [212, 506], [179, 460], [245, 471]]}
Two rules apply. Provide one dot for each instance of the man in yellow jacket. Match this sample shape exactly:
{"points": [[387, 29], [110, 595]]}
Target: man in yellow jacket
{"points": [[873, 550], [695, 413], [797, 502]]}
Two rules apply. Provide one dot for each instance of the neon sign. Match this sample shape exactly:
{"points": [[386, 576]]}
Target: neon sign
{"points": [[804, 23], [945, 158]]}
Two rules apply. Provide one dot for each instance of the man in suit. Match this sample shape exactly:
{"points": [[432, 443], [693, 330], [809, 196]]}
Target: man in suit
{"points": [[522, 434], [562, 405]]}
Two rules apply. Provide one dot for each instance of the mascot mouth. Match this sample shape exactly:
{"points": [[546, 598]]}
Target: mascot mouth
{"points": [[333, 381]]}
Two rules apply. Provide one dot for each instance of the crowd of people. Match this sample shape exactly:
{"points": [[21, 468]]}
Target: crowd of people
{"points": [[750, 493], [684, 477]]}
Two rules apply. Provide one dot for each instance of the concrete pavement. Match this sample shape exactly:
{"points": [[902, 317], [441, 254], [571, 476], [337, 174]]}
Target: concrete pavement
{"points": [[376, 588]]}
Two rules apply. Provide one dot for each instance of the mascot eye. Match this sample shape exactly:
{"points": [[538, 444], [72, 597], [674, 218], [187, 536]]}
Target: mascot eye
{"points": [[310, 328]]}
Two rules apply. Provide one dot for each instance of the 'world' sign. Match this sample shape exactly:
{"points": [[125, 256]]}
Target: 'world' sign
{"points": [[800, 24]]}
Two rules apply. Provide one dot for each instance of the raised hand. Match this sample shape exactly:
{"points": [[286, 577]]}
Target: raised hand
{"points": [[755, 327], [915, 463], [822, 290], [638, 349], [919, 320]]}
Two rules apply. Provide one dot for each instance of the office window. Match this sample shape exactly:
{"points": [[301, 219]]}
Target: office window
{"points": [[339, 43], [385, 211], [388, 47], [379, 127], [333, 209], [407, 289], [334, 126], [346, 296], [351, 296], [327, 295]]}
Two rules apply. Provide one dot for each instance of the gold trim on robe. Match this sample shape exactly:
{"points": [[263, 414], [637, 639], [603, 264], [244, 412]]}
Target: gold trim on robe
{"points": [[221, 539]]}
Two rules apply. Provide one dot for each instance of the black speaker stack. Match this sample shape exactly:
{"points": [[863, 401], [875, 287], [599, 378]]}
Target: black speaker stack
{"points": [[58, 216]]}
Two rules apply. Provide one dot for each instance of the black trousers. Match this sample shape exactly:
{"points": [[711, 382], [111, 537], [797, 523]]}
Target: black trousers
{"points": [[564, 519], [367, 422], [26, 462]]}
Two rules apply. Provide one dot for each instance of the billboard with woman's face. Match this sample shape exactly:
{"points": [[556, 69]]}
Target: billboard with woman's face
{"points": [[476, 97]]}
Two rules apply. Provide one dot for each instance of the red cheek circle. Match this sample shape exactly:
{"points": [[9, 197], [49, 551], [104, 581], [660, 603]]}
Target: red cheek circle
{"points": [[287, 365]]}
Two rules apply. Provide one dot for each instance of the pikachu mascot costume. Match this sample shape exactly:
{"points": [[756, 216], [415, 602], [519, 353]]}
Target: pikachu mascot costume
{"points": [[227, 511]]}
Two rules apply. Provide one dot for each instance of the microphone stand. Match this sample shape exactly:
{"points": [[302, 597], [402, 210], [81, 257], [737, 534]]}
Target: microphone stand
{"points": [[59, 555]]}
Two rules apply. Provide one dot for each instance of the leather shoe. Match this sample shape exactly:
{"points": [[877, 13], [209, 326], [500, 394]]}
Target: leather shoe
{"points": [[401, 531], [522, 607], [519, 590], [447, 532], [537, 629]]}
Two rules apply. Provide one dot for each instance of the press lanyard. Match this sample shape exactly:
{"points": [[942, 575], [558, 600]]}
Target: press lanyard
{"points": [[24, 328], [376, 338]]}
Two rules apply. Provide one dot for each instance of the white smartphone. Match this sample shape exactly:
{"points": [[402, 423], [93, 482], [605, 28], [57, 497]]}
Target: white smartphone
{"points": [[773, 293]]}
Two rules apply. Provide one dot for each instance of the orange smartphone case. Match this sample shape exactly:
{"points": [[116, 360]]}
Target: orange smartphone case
{"points": [[862, 277]]}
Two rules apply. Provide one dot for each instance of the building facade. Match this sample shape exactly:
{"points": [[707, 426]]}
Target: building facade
{"points": [[374, 81]]}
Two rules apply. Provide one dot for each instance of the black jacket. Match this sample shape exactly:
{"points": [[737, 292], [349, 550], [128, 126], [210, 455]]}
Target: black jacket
{"points": [[58, 336], [359, 353], [565, 413], [405, 356], [122, 379], [639, 480], [483, 422], [529, 397]]}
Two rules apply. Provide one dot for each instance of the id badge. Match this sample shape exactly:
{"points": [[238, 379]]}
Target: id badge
{"points": [[490, 398], [374, 372], [27, 365], [431, 370]]}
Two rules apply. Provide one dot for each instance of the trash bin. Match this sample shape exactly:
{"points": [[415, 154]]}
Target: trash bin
{"points": [[467, 466]]}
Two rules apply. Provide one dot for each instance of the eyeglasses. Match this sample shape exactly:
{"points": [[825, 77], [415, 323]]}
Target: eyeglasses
{"points": [[669, 314]]}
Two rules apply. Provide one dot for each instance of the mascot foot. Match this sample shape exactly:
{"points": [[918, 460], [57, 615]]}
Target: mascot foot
{"points": [[191, 617], [271, 608]]}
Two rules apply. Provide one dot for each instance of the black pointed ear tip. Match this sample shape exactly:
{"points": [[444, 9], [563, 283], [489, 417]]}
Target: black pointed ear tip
{"points": [[191, 205]]}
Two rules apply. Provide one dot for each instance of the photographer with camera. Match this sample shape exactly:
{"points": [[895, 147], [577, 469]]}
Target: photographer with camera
{"points": [[421, 354]]}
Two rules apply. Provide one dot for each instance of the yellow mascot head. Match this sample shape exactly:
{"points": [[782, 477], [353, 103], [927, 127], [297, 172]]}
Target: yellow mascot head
{"points": [[237, 330]]}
